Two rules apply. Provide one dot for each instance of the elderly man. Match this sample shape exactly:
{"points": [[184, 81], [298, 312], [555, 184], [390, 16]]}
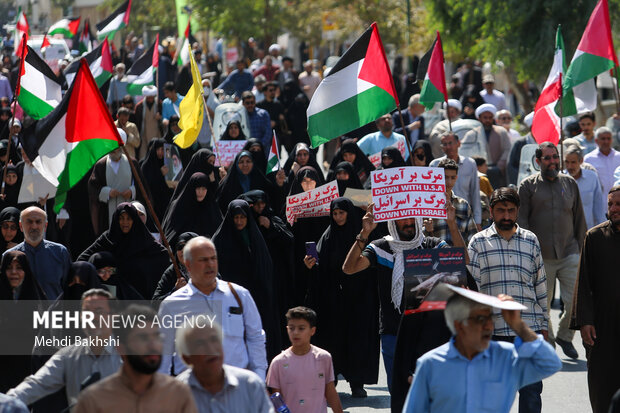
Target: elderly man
{"points": [[384, 137], [71, 365], [467, 184], [118, 88], [309, 80], [471, 373], [414, 122], [595, 305], [551, 208], [453, 117], [137, 387], [589, 186], [148, 118], [244, 338], [604, 158], [491, 141], [49, 261], [218, 387], [386, 256]]}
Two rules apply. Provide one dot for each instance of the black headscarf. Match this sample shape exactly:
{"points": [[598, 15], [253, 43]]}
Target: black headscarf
{"points": [[10, 214], [235, 183], [29, 289], [198, 163], [226, 135], [311, 159], [243, 258], [362, 164], [427, 150], [259, 157], [151, 169], [11, 192], [88, 277], [186, 213], [336, 241], [124, 290], [305, 172], [353, 181], [183, 239], [394, 154]]}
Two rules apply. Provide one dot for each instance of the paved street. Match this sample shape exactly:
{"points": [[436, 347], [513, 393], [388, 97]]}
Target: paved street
{"points": [[565, 392]]}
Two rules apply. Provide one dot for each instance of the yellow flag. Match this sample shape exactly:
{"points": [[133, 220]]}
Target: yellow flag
{"points": [[191, 109]]}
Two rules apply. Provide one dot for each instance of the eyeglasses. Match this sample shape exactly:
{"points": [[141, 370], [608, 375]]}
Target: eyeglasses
{"points": [[481, 319], [110, 271], [550, 157], [12, 227]]}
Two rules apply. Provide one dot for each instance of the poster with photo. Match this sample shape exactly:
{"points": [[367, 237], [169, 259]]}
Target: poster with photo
{"points": [[172, 160], [424, 268]]}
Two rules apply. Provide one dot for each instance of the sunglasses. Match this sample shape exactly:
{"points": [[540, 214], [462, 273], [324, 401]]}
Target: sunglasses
{"points": [[550, 157]]}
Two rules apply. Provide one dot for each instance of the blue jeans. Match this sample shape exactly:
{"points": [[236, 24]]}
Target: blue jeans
{"points": [[529, 396], [388, 344]]}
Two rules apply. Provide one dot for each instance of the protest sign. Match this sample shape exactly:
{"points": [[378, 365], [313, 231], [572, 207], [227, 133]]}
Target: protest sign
{"points": [[424, 268], [172, 160], [226, 151], [313, 203], [407, 192], [376, 158]]}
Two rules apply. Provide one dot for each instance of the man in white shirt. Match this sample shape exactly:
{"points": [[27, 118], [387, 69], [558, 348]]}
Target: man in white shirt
{"points": [[604, 158], [243, 335], [491, 95]]}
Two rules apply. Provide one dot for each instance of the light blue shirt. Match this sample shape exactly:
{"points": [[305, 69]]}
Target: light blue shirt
{"points": [[592, 198], [169, 108], [446, 381], [467, 184], [588, 146], [617, 176], [375, 142]]}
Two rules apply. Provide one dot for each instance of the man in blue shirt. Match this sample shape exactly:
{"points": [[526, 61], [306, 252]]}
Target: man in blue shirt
{"points": [[384, 137], [471, 373], [238, 81], [260, 122], [170, 105], [50, 262]]}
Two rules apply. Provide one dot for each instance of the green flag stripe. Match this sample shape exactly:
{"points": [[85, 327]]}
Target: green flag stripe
{"points": [[78, 163], [430, 94], [35, 107], [349, 114], [586, 67]]}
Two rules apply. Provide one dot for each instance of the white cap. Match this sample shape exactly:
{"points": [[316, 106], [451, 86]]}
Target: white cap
{"points": [[149, 90], [487, 107], [273, 47], [454, 103], [16, 122]]}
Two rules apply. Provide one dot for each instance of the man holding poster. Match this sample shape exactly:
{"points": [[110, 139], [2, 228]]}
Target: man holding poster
{"points": [[386, 256]]}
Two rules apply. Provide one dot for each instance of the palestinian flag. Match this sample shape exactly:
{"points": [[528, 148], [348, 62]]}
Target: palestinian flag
{"points": [[141, 72], [546, 123], [594, 55], [21, 28], [434, 87], [99, 62], [85, 42], [65, 144], [66, 27], [40, 89], [358, 90], [115, 21], [183, 52], [273, 160]]}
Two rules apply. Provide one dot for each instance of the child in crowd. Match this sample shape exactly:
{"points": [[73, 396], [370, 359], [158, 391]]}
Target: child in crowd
{"points": [[303, 374]]}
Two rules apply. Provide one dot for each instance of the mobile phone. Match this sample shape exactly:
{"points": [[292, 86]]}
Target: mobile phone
{"points": [[311, 250]]}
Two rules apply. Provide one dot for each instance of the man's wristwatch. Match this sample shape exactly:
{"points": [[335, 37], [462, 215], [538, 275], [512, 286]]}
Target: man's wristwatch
{"points": [[363, 240]]}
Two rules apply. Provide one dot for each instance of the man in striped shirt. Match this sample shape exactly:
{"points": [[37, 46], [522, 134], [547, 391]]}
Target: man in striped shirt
{"points": [[507, 259]]}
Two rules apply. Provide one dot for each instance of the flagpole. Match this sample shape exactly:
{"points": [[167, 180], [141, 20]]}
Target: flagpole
{"points": [[405, 134], [217, 155], [561, 124], [15, 94], [149, 205], [616, 94]]}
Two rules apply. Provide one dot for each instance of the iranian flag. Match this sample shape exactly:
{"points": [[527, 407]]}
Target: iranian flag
{"points": [[358, 90], [142, 71], [40, 89], [183, 52], [64, 145], [434, 87], [67, 27], [546, 123], [115, 21], [594, 55], [100, 64], [21, 28], [273, 160]]}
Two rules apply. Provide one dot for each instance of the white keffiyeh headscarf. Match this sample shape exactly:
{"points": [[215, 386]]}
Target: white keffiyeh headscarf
{"points": [[397, 246]]}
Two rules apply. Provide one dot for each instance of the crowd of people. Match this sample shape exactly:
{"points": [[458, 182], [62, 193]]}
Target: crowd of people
{"points": [[294, 322]]}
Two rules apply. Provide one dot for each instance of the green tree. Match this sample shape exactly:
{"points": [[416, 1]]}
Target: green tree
{"points": [[147, 14], [519, 33]]}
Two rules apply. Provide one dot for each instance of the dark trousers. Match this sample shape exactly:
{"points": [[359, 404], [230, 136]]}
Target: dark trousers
{"points": [[529, 396]]}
